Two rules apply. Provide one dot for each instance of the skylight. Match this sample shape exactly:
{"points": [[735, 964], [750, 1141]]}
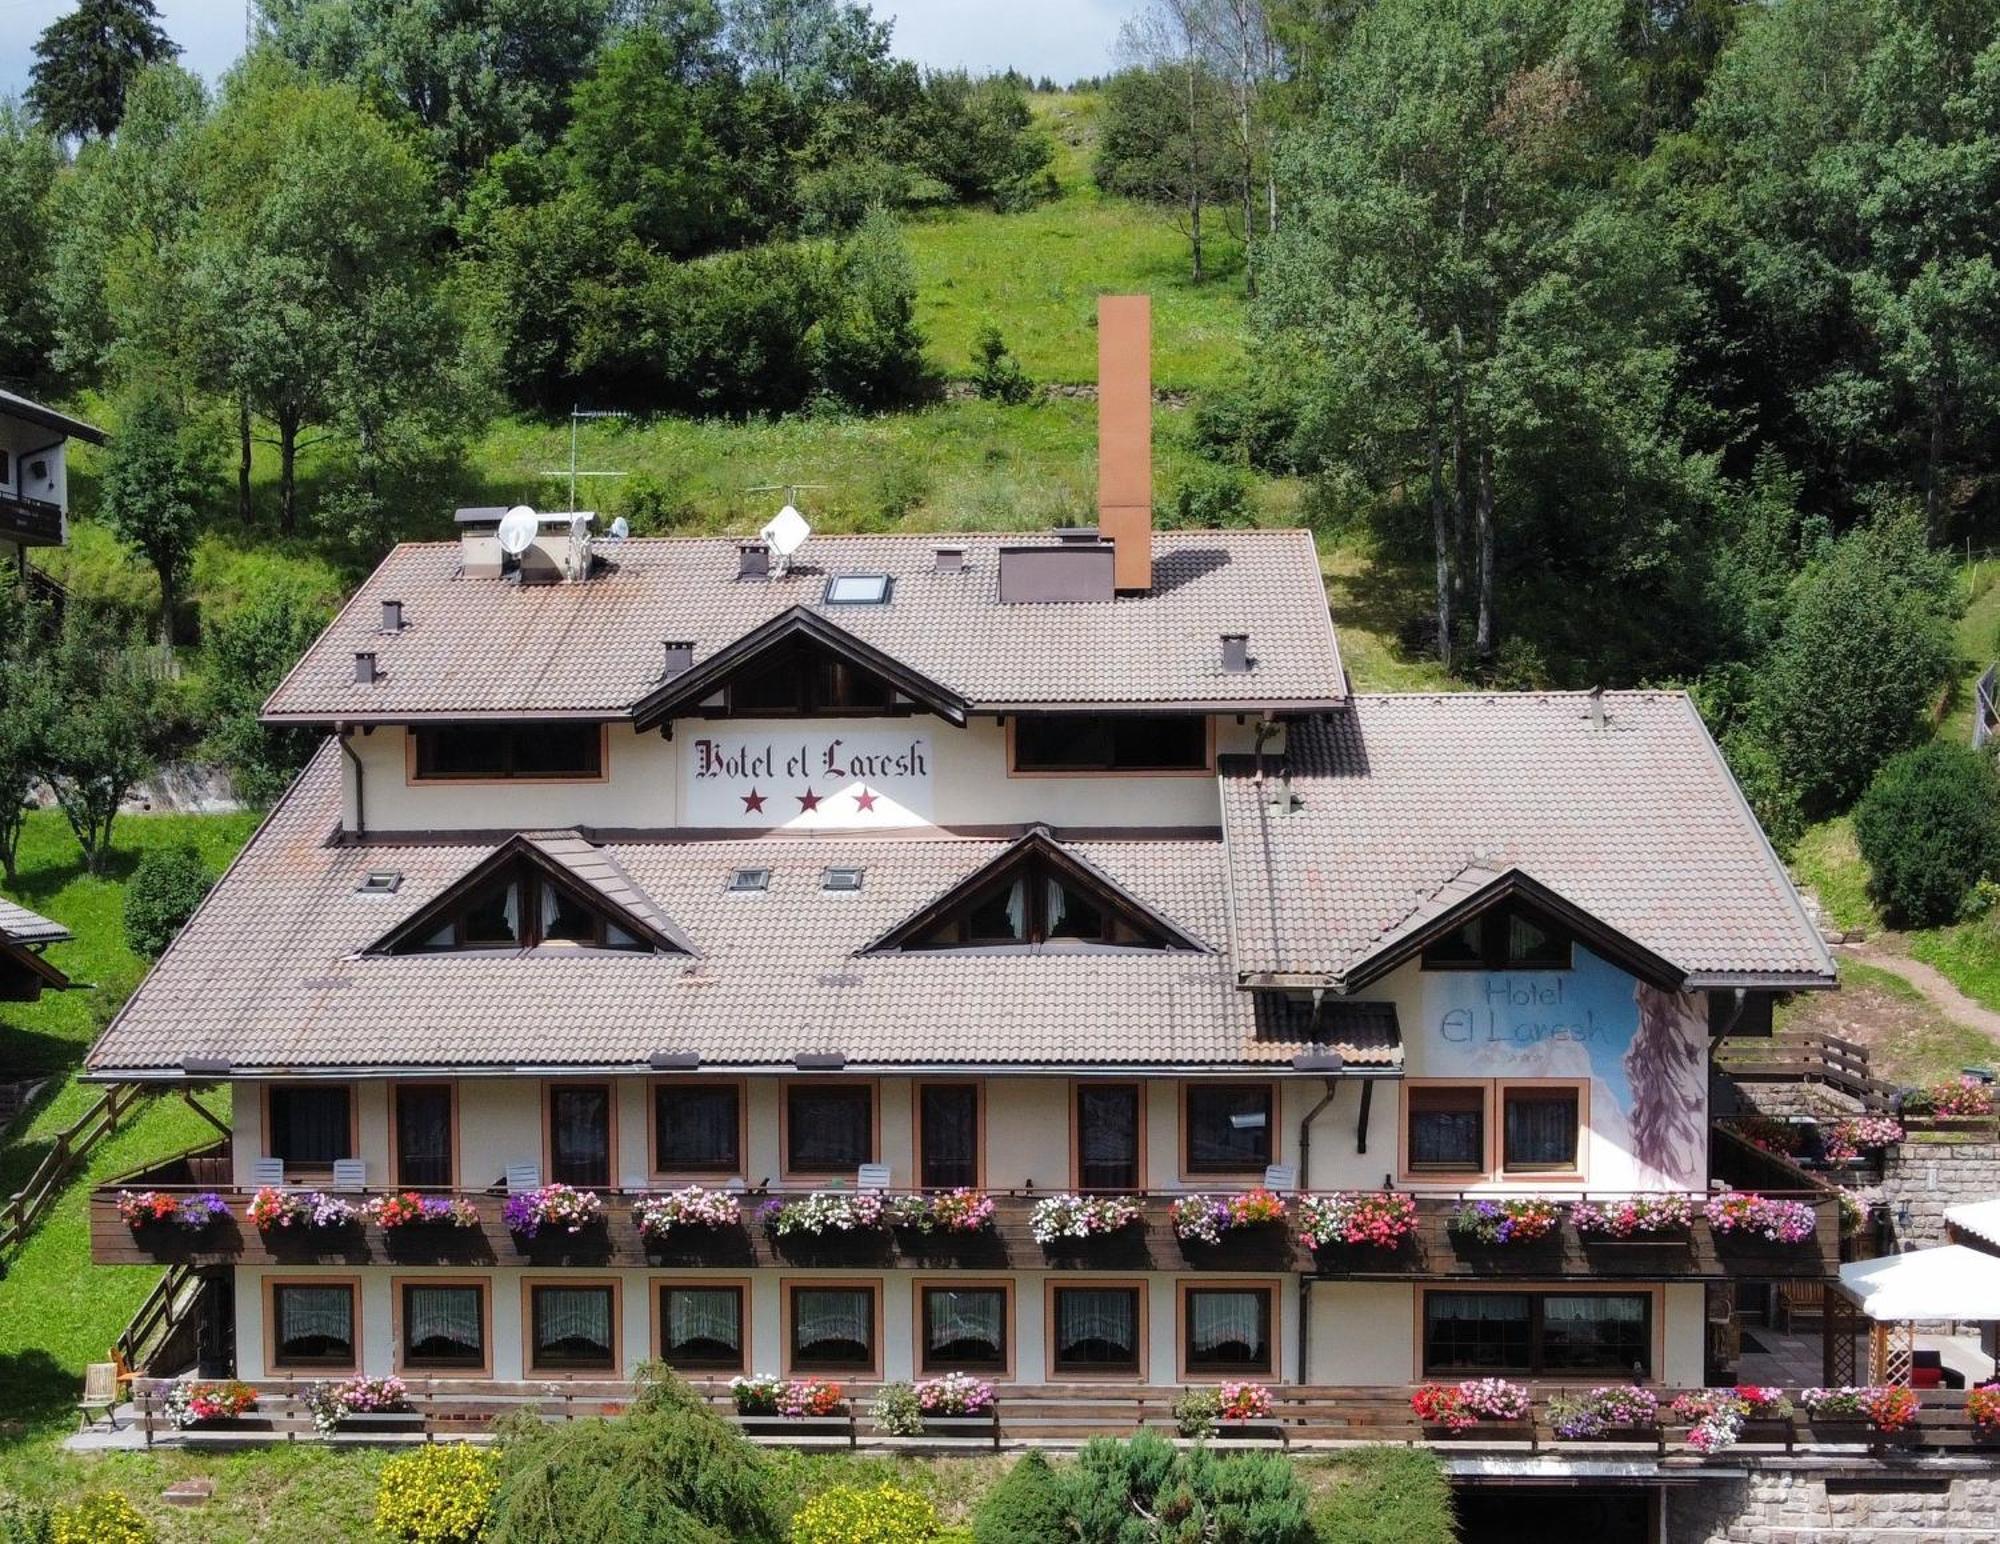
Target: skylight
{"points": [[748, 880], [857, 590], [379, 882], [841, 879]]}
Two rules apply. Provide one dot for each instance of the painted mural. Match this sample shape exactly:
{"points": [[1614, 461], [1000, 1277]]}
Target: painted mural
{"points": [[1644, 1051]]}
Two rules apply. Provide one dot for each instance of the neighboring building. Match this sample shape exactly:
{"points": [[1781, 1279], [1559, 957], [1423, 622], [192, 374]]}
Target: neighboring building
{"points": [[34, 474], [24, 974], [1028, 864]]}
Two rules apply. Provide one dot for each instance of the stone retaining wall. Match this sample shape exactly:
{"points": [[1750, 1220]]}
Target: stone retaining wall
{"points": [[1920, 1179], [1777, 1505]]}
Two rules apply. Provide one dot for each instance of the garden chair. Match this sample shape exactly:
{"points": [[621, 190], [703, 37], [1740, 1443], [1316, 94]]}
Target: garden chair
{"points": [[101, 1392]]}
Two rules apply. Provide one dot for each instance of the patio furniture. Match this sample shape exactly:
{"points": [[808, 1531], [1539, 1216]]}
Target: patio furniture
{"points": [[100, 1393]]}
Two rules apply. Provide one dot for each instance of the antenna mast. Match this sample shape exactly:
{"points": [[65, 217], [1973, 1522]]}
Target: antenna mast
{"points": [[577, 414]]}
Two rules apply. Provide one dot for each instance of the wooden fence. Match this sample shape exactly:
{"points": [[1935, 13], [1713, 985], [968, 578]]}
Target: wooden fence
{"points": [[72, 1146], [1807, 1058], [1985, 719]]}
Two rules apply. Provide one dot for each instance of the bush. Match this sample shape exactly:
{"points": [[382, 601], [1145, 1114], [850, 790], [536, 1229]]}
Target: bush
{"points": [[105, 1518], [1209, 498], [166, 887], [1929, 827], [883, 1514], [1026, 1507], [22, 1522], [996, 374], [1773, 799], [436, 1495], [1386, 1495], [1248, 1496], [246, 651]]}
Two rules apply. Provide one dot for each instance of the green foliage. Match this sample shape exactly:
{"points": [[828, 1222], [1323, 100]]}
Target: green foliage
{"points": [[996, 374], [1773, 796], [1929, 828], [28, 162], [158, 481], [24, 626], [22, 1522], [1026, 1507], [165, 889], [1146, 1490], [883, 1514], [1386, 1495], [86, 60], [1163, 139], [103, 719], [670, 1469], [1198, 1412], [436, 1495], [897, 1411], [1210, 497], [103, 1517], [978, 138]]}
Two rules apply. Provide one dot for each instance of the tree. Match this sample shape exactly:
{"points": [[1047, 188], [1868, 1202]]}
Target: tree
{"points": [[24, 711], [1241, 41], [1165, 123], [28, 162], [247, 650], [102, 726], [979, 138], [166, 887], [85, 62], [1929, 827], [808, 47], [1026, 1507], [158, 481]]}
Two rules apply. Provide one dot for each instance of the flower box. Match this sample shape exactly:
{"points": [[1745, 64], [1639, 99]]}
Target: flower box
{"points": [[552, 1209], [1071, 1221], [694, 1210], [1378, 1222], [1612, 1413], [962, 1212], [303, 1211], [777, 1407], [1872, 1415], [409, 1211], [827, 1213], [1479, 1408], [194, 1406], [374, 1403], [1641, 1220], [1742, 1217], [1203, 1219], [142, 1209], [1509, 1222]]}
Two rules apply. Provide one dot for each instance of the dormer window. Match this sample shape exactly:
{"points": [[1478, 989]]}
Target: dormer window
{"points": [[796, 678], [1504, 938], [1034, 906], [523, 908]]}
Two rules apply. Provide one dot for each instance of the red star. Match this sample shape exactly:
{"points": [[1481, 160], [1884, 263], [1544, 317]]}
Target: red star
{"points": [[808, 801], [864, 800], [753, 802]]}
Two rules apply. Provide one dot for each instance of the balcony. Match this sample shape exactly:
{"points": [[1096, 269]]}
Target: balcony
{"points": [[31, 522]]}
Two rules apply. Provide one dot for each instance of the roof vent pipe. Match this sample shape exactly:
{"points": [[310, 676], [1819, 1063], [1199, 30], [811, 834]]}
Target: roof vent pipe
{"points": [[392, 616], [949, 560], [753, 560], [1236, 653], [1594, 707], [365, 673], [678, 661]]}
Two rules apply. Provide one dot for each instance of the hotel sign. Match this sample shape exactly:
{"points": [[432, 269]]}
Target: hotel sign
{"points": [[807, 779]]}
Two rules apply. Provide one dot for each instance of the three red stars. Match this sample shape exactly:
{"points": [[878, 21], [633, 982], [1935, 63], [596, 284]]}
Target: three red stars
{"points": [[808, 801], [753, 802]]}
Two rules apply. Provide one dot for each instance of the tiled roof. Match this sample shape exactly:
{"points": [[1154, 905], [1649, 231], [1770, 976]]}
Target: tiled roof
{"points": [[489, 646], [1408, 803], [14, 405], [23, 926], [269, 974]]}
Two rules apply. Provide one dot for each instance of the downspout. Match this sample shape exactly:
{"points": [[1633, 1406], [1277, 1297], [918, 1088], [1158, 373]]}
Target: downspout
{"points": [[341, 731], [1305, 1183]]}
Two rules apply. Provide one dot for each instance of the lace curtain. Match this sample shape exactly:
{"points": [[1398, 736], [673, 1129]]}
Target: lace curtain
{"points": [[711, 1315], [315, 1313], [573, 1319], [1541, 1131], [443, 1321], [1097, 1324], [830, 1321], [697, 1128], [1108, 1136], [965, 1318], [1227, 1325]]}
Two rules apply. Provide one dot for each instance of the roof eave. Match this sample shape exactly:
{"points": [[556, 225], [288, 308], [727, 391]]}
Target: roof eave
{"points": [[1279, 1068]]}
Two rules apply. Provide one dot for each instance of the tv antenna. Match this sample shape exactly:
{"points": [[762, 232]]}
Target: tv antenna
{"points": [[576, 417]]}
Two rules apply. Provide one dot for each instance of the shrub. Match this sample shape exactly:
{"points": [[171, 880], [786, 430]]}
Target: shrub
{"points": [[1026, 1507], [996, 374], [1210, 497], [166, 887], [1929, 826], [22, 1522], [104, 1518], [1386, 1495], [883, 1514], [436, 1495], [1114, 1486]]}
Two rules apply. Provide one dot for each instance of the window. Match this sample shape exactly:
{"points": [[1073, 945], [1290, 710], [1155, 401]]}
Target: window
{"points": [[443, 1326], [543, 752], [1505, 938], [1108, 1131], [1226, 1330], [833, 1328], [1110, 742], [580, 1134], [310, 1124], [1228, 1127], [379, 882], [522, 907], [1593, 1334], [312, 1324], [701, 1327], [697, 1128], [1032, 904], [857, 590], [947, 1135], [798, 678], [1447, 1129], [1538, 1128], [829, 1127], [1096, 1329], [423, 1135], [963, 1329], [750, 881], [846, 880], [573, 1328]]}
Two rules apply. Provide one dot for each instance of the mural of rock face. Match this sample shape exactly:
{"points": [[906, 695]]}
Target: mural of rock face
{"points": [[1643, 1050]]}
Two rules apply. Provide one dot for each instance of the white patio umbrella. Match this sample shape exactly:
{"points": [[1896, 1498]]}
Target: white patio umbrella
{"points": [[1948, 1282]]}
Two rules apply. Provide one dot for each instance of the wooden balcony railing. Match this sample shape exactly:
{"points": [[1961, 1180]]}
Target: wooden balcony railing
{"points": [[33, 521], [1433, 1252]]}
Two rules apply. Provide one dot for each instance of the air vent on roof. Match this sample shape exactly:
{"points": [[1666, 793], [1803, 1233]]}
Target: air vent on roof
{"points": [[392, 616], [857, 590], [1235, 653], [365, 673], [379, 882], [676, 659], [840, 879], [753, 560], [674, 1061], [749, 881]]}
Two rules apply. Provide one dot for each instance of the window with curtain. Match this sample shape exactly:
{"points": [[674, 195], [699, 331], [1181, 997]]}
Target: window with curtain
{"points": [[833, 1328], [1568, 1333], [829, 1127], [573, 1328], [523, 907], [1034, 903], [1596, 1332], [964, 1327], [1478, 1332], [1096, 1329], [312, 1325], [1107, 1136], [1229, 1127], [697, 1128], [1539, 1126], [423, 1135], [1228, 1329], [311, 1124], [948, 1135], [444, 1325], [702, 1327], [1447, 1129], [580, 1134]]}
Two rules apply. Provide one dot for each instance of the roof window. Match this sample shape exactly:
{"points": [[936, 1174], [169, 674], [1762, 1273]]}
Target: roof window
{"points": [[746, 881], [857, 590], [840, 879], [379, 882]]}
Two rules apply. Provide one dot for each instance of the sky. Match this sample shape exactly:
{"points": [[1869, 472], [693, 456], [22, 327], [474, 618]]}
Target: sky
{"points": [[1063, 39]]}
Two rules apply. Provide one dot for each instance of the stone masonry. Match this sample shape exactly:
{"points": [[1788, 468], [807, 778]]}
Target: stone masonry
{"points": [[1957, 1501], [1920, 1179]]}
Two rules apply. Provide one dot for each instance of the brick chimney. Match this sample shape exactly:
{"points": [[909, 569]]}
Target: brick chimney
{"points": [[1125, 435]]}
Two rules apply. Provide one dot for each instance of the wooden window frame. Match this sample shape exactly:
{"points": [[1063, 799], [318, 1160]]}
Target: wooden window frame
{"points": [[1076, 1130], [610, 1086], [1453, 1178], [657, 1286], [529, 1368], [532, 879], [1494, 1171], [788, 1321], [1188, 1169], [919, 1285], [353, 1119], [272, 1366], [1573, 1175], [1493, 954], [697, 1176], [1207, 769], [413, 778], [812, 699], [1065, 1283], [402, 1364], [1656, 1326], [785, 1087], [1271, 1287], [395, 1136], [978, 1087]]}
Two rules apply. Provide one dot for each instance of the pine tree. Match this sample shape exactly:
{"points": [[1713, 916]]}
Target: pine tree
{"points": [[85, 61]]}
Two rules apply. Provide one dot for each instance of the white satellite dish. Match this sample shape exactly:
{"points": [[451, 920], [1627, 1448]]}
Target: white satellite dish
{"points": [[786, 533], [620, 528], [517, 530]]}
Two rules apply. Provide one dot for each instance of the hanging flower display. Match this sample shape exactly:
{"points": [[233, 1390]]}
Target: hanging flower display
{"points": [[143, 1208], [408, 1209], [946, 1211], [1204, 1219], [302, 1209], [331, 1403], [695, 1207], [1750, 1215], [1633, 1216], [1859, 1134], [1061, 1217], [805, 1397], [1380, 1219], [1886, 1409], [188, 1404], [1518, 1220], [1463, 1405], [1244, 1402], [1982, 1405], [956, 1393], [553, 1207], [1618, 1407], [827, 1211]]}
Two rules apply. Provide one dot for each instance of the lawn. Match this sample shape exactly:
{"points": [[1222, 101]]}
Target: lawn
{"points": [[1827, 860], [1909, 1041], [1978, 639]]}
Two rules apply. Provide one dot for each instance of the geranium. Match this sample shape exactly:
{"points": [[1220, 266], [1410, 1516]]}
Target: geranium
{"points": [[1783, 1137], [755, 1396], [331, 1403], [657, 1216], [949, 1211], [408, 1209], [1738, 1211], [1495, 1399], [1073, 1216], [552, 1206], [1892, 1409], [1983, 1406], [1961, 1099], [1611, 1408], [1245, 1402], [956, 1393], [1440, 1404], [1837, 1404], [271, 1208], [803, 1397], [139, 1208], [1860, 1134], [187, 1403], [827, 1211], [1633, 1216], [1381, 1219], [1204, 1219], [1516, 1221], [1715, 1417]]}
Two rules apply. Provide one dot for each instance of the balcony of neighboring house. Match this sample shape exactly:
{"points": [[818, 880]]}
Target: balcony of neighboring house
{"points": [[29, 522]]}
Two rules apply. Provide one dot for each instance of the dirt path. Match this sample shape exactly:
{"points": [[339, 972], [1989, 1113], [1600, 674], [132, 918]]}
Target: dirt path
{"points": [[1934, 984]]}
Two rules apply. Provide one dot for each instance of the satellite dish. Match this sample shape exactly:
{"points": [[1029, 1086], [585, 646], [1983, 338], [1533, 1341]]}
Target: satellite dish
{"points": [[517, 530], [579, 527], [786, 533], [620, 528]]}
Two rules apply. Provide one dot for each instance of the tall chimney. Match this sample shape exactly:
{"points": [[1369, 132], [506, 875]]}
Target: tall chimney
{"points": [[1125, 435]]}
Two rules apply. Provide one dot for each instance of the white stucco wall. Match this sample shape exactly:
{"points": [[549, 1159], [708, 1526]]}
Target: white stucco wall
{"points": [[33, 441]]}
